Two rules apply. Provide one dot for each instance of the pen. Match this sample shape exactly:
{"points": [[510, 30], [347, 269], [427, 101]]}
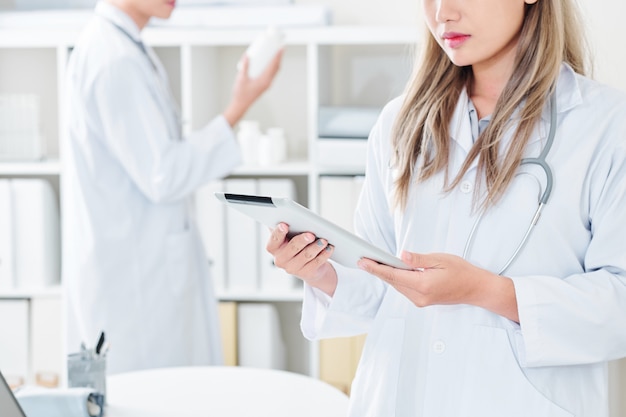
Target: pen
{"points": [[100, 343]]}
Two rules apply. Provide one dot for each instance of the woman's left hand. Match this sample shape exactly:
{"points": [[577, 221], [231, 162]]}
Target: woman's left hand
{"points": [[442, 278]]}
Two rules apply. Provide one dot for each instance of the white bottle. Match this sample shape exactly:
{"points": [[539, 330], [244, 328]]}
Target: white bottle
{"points": [[248, 137], [273, 147], [279, 143], [266, 151], [263, 49]]}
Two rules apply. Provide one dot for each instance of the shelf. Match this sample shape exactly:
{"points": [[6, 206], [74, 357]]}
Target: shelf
{"points": [[341, 170], [284, 169], [52, 167], [12, 37], [331, 35], [295, 295], [27, 293], [323, 66]]}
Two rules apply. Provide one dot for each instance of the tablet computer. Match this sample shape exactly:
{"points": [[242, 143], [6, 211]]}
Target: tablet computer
{"points": [[270, 211]]}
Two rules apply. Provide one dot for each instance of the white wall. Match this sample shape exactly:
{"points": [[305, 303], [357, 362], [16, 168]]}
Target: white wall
{"points": [[604, 20]]}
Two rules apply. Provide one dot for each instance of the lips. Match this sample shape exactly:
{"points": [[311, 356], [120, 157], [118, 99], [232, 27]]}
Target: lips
{"points": [[454, 39]]}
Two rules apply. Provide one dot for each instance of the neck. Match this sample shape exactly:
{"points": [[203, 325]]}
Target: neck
{"points": [[141, 19], [484, 92], [489, 78], [488, 82]]}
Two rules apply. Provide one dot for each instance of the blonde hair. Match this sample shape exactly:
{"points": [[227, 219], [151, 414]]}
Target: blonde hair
{"points": [[551, 34]]}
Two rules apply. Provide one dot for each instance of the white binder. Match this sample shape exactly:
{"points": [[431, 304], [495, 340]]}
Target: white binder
{"points": [[241, 242], [6, 236], [14, 339], [261, 343], [36, 233], [338, 199], [272, 277]]}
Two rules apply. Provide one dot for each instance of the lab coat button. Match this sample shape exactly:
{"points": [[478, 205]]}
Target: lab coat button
{"points": [[439, 347], [466, 187]]}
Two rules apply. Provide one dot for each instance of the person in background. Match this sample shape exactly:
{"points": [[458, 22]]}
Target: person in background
{"points": [[487, 320], [134, 266]]}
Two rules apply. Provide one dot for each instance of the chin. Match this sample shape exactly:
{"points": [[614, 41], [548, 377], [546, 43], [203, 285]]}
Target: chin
{"points": [[164, 14], [459, 61]]}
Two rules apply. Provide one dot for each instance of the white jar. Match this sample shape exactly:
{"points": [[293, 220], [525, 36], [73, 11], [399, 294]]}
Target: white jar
{"points": [[279, 143], [266, 152], [248, 137], [272, 147], [263, 49]]}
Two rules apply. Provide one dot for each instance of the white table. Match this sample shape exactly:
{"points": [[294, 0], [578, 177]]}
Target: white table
{"points": [[221, 392]]}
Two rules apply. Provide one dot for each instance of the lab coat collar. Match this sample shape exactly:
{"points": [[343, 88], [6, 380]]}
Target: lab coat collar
{"points": [[568, 96], [119, 18], [568, 93], [460, 128]]}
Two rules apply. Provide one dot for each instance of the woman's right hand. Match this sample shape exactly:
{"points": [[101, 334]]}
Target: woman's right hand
{"points": [[303, 256]]}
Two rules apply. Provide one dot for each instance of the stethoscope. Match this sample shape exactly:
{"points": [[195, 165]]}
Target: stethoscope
{"points": [[543, 199]]}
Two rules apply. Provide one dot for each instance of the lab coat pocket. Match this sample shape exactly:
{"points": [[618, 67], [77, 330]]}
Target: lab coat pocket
{"points": [[494, 383], [179, 262], [375, 384]]}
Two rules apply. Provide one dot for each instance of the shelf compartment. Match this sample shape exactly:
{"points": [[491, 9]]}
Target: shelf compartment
{"points": [[33, 71]]}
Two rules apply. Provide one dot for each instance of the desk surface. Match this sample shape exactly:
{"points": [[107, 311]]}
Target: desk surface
{"points": [[221, 392]]}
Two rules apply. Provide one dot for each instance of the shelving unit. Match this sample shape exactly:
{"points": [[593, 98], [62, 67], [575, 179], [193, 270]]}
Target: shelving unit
{"points": [[340, 66]]}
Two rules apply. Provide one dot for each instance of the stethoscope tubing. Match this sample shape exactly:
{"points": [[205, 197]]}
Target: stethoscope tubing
{"points": [[543, 199]]}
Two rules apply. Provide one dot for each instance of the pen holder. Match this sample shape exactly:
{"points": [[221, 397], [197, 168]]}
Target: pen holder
{"points": [[87, 369]]}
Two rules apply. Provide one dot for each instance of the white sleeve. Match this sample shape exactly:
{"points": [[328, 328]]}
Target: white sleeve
{"points": [[581, 319], [358, 296], [134, 129], [349, 312]]}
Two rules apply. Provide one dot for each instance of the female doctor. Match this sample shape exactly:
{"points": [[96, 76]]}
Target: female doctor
{"points": [[489, 322], [133, 263]]}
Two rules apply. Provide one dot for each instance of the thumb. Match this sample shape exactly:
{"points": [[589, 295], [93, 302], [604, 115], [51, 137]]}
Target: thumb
{"points": [[414, 260]]}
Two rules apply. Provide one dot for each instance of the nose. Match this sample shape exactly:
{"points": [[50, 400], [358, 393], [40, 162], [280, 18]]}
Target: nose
{"points": [[447, 11]]}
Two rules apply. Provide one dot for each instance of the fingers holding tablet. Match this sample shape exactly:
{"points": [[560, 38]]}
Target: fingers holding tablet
{"points": [[302, 255]]}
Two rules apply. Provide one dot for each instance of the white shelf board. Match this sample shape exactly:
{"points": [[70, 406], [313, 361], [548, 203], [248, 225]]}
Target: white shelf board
{"points": [[23, 293], [306, 23], [42, 37], [341, 170], [288, 168], [324, 35], [36, 37], [261, 296], [51, 167]]}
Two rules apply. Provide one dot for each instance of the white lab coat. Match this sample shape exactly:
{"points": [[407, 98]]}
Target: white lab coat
{"points": [[133, 262], [570, 279]]}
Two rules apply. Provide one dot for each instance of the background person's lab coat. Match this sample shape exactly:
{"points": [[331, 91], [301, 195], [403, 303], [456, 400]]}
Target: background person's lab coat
{"points": [[133, 262], [570, 278]]}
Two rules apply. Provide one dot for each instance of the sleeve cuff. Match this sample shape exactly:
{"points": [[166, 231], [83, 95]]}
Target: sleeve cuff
{"points": [[529, 334], [349, 312], [217, 133]]}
